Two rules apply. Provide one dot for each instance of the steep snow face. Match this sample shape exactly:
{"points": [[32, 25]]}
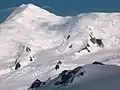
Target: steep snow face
{"points": [[92, 32], [104, 26], [34, 40], [28, 19], [82, 34], [28, 25]]}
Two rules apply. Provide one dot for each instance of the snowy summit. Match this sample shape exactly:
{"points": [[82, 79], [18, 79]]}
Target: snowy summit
{"points": [[43, 51]]}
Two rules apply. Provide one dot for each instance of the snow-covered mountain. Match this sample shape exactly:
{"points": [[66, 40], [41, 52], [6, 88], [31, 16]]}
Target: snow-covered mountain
{"points": [[33, 41]]}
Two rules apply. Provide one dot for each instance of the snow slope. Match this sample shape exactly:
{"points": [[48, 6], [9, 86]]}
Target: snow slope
{"points": [[96, 77], [38, 39]]}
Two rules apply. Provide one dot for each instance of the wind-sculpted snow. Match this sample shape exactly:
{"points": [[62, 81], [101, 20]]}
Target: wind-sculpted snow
{"points": [[33, 41]]}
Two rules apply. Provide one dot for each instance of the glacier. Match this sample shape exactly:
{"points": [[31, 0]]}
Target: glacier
{"points": [[35, 40]]}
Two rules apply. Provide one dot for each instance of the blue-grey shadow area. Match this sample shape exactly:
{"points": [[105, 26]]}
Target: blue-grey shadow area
{"points": [[64, 7]]}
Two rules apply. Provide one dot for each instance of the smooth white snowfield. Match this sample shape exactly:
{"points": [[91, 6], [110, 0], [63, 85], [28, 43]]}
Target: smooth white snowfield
{"points": [[75, 41]]}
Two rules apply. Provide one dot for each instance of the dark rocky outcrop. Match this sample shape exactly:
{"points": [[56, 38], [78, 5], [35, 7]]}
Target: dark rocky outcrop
{"points": [[99, 42], [28, 49], [68, 37], [37, 83], [93, 40], [57, 67], [70, 46], [99, 63], [31, 59], [59, 62], [68, 76], [17, 66]]}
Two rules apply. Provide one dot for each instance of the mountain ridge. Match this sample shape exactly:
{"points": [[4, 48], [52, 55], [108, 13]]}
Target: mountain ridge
{"points": [[33, 40]]}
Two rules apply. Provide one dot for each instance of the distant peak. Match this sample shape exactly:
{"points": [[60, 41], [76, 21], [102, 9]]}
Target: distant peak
{"points": [[30, 10], [32, 5]]}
